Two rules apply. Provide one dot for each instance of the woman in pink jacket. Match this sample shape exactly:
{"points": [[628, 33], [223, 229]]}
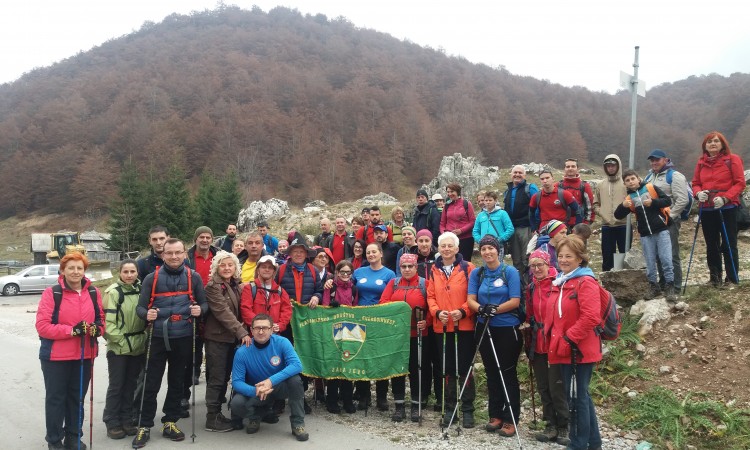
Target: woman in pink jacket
{"points": [[548, 379], [571, 317], [458, 218], [68, 328]]}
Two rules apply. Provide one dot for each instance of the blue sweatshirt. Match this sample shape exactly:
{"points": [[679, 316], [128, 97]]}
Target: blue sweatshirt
{"points": [[276, 360]]}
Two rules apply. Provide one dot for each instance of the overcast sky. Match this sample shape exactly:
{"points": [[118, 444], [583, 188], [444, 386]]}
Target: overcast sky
{"points": [[573, 43]]}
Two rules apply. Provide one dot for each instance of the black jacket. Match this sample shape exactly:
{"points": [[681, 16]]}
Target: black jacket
{"points": [[427, 217], [650, 218]]}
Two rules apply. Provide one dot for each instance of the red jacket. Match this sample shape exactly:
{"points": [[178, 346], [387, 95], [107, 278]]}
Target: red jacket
{"points": [[455, 216], [448, 294], [574, 312], [278, 306], [410, 293], [57, 342], [549, 207], [585, 200], [369, 238], [716, 175], [539, 296]]}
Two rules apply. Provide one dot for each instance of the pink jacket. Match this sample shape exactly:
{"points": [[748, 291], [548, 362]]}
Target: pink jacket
{"points": [[456, 217], [57, 342], [540, 295]]}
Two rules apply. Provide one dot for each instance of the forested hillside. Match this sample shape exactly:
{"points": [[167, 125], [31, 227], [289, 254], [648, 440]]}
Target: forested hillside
{"points": [[312, 107]]}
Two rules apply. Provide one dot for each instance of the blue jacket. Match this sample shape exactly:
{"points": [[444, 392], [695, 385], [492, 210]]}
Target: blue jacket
{"points": [[496, 223], [276, 361]]}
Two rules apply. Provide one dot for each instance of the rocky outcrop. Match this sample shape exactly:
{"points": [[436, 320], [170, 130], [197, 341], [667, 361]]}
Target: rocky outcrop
{"points": [[465, 171], [378, 199], [258, 211], [628, 286], [651, 311]]}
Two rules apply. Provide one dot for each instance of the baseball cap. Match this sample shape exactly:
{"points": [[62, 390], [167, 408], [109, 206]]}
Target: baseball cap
{"points": [[437, 197], [380, 228], [656, 153], [268, 258]]}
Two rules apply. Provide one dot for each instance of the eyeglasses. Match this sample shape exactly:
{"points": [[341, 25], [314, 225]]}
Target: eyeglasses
{"points": [[537, 266], [345, 273], [407, 266], [169, 254], [259, 329]]}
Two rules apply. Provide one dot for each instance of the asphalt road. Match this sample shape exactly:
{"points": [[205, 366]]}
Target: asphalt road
{"points": [[22, 399]]}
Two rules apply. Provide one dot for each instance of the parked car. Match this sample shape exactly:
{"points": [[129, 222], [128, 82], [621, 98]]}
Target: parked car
{"points": [[31, 279]]}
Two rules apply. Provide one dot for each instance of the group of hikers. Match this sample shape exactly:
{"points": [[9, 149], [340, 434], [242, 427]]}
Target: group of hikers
{"points": [[231, 298]]}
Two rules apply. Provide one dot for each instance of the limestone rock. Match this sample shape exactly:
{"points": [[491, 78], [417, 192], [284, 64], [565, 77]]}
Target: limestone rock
{"points": [[651, 311], [634, 259], [379, 199], [536, 168], [258, 211], [465, 171]]}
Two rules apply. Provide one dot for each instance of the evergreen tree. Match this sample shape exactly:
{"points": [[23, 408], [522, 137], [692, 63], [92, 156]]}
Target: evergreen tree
{"points": [[122, 226], [207, 208], [174, 207], [229, 200]]}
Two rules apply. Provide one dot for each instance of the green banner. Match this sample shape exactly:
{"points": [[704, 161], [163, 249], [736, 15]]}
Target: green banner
{"points": [[353, 343]]}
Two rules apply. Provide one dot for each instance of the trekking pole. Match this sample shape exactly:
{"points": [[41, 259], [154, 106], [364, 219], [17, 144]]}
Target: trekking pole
{"points": [[729, 247], [192, 413], [533, 401], [91, 395], [695, 238], [445, 381], [505, 388], [468, 374], [572, 407], [80, 390], [458, 381], [419, 315], [145, 370]]}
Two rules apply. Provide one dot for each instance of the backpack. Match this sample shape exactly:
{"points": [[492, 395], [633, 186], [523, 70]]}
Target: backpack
{"points": [[652, 192], [57, 293], [685, 214], [583, 207], [520, 312], [466, 207], [526, 188], [120, 318], [561, 197], [611, 322], [421, 286], [282, 272], [254, 290]]}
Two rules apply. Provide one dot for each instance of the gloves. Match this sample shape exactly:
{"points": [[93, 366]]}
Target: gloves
{"points": [[487, 311], [79, 329], [702, 196], [719, 202], [334, 304], [94, 330]]}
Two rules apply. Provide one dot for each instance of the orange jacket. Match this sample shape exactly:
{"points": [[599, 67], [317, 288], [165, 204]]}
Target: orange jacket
{"points": [[449, 293]]}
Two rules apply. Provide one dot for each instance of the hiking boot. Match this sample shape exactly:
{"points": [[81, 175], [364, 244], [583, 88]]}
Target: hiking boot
{"points": [[55, 445], [300, 433], [236, 423], [333, 408], [494, 424], [349, 408], [320, 395], [270, 418], [467, 419], [382, 404], [399, 412], [130, 429], [141, 437], [549, 434], [115, 432], [252, 426], [507, 430], [363, 404], [218, 423], [562, 436], [653, 291], [72, 443], [669, 292], [437, 407], [170, 431], [414, 413]]}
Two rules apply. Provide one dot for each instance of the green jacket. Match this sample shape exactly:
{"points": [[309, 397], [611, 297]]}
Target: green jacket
{"points": [[125, 331]]}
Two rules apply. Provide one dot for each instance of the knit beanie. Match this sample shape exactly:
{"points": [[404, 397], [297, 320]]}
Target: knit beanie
{"points": [[553, 227], [488, 239], [409, 228], [422, 192], [424, 232], [201, 230]]}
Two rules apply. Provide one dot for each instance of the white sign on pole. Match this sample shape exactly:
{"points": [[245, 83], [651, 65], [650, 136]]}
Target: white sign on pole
{"points": [[626, 82]]}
